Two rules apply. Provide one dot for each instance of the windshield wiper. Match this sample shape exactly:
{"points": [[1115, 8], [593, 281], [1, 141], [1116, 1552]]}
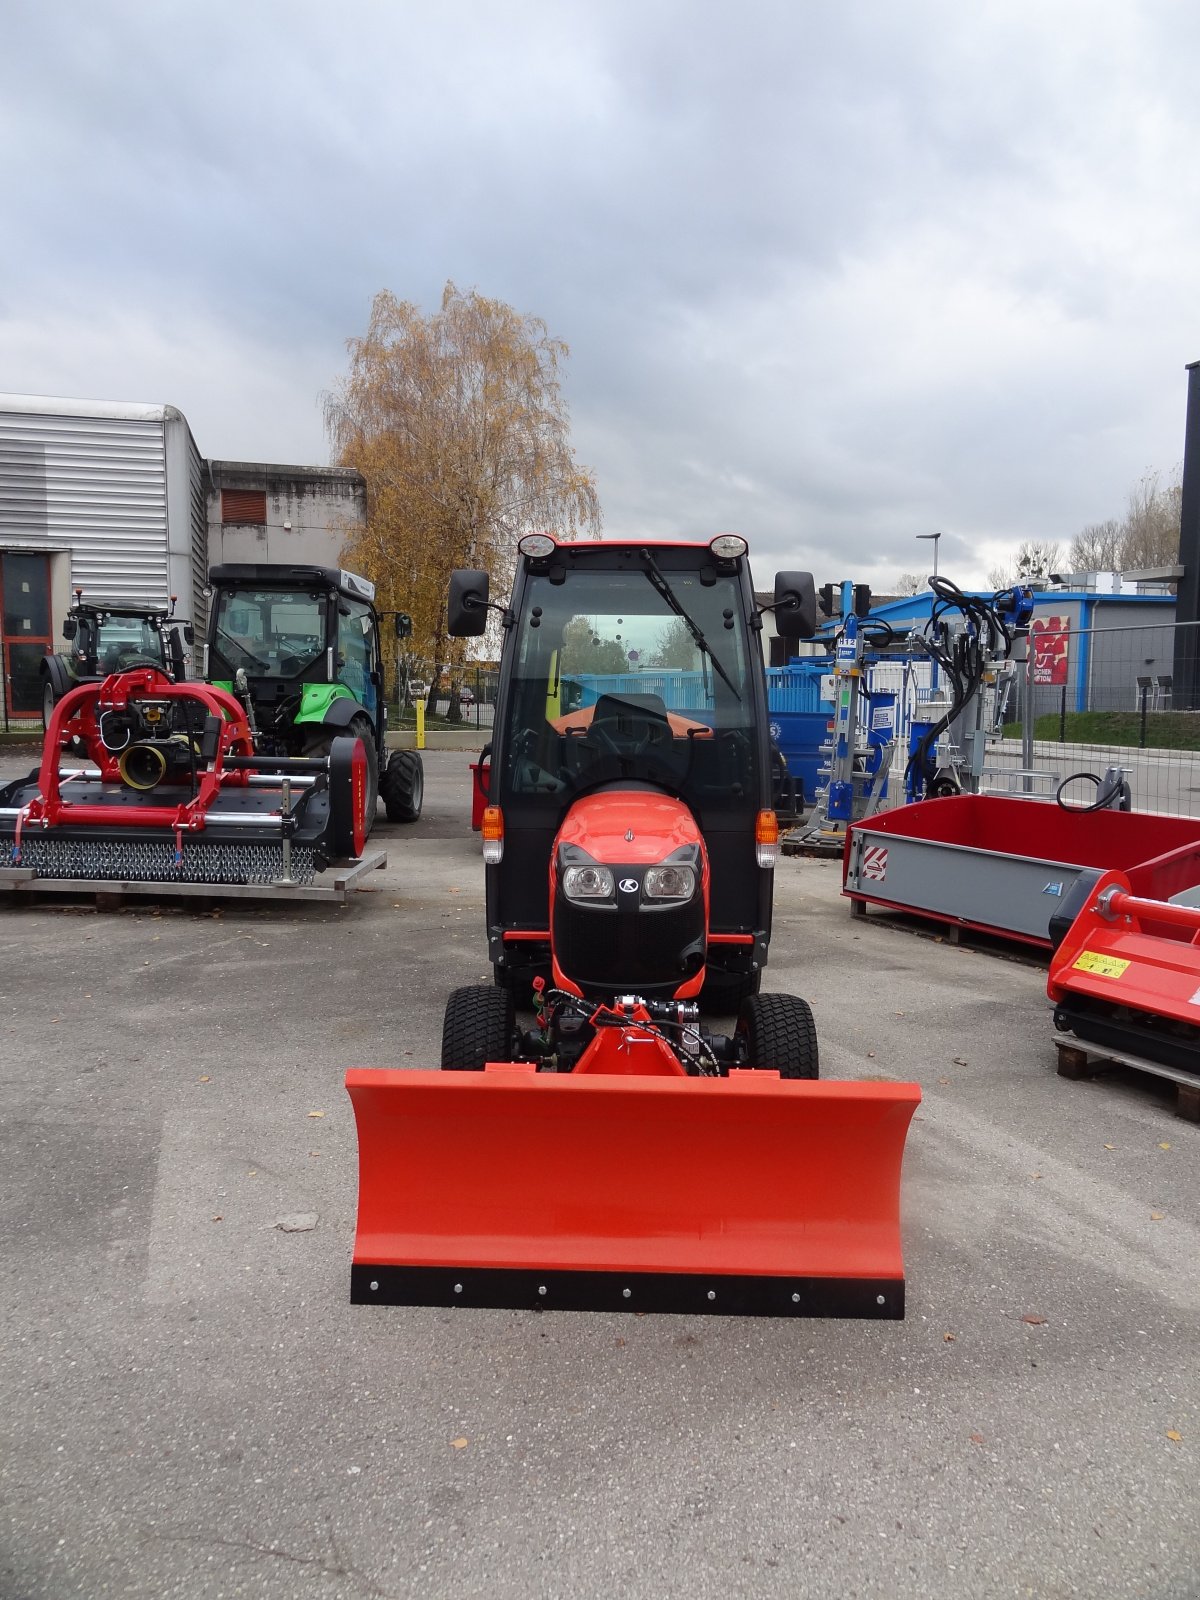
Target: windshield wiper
{"points": [[668, 594]]}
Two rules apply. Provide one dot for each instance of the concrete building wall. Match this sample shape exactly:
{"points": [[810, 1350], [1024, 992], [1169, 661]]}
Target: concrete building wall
{"points": [[307, 512]]}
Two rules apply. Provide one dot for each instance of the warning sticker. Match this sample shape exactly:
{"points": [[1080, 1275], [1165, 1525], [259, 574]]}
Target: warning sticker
{"points": [[1102, 966], [874, 862]]}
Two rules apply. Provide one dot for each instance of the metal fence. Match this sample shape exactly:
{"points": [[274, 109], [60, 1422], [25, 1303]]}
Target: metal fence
{"points": [[1090, 699]]}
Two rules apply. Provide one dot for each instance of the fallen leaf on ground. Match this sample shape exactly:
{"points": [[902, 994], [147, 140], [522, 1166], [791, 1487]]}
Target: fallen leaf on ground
{"points": [[961, 1061], [870, 1055], [949, 1338], [1035, 1174], [943, 1080], [1032, 1318], [976, 1438], [203, 1080], [1176, 1438], [1157, 1216], [1110, 1147], [459, 1444], [620, 1343], [316, 1113], [218, 1219], [1164, 1145]]}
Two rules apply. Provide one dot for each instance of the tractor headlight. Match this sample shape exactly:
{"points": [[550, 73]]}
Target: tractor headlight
{"points": [[669, 883], [587, 883]]}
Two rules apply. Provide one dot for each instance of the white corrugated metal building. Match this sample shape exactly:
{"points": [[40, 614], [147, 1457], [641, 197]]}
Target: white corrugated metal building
{"points": [[97, 495]]}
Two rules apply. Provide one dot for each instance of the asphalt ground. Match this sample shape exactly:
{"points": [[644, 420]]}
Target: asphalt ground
{"points": [[191, 1407]]}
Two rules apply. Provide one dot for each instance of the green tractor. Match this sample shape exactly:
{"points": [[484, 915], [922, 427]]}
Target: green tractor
{"points": [[300, 648]]}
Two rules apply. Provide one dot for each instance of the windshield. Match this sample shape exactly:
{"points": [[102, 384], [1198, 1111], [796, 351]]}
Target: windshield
{"points": [[272, 633], [612, 683], [120, 640]]}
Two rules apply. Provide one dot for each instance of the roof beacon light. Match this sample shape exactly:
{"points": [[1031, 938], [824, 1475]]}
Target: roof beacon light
{"points": [[492, 829], [728, 546], [766, 839], [538, 545]]}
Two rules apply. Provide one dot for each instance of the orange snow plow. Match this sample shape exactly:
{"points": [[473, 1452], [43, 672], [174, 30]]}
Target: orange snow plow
{"points": [[743, 1195]]}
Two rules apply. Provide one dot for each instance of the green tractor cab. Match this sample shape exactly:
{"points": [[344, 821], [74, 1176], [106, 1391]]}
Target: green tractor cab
{"points": [[300, 647]]}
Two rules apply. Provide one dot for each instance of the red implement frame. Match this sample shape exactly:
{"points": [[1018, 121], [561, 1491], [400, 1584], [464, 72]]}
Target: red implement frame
{"points": [[1110, 956], [737, 1195], [78, 715]]}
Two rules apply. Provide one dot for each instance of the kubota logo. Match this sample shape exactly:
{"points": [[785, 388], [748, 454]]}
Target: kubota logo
{"points": [[628, 885]]}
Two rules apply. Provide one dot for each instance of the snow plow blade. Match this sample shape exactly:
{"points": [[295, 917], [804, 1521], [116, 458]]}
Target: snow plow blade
{"points": [[745, 1195]]}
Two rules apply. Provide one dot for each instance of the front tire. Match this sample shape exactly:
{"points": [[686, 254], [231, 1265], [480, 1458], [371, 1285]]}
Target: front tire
{"points": [[402, 786], [49, 701], [777, 1033], [479, 1026]]}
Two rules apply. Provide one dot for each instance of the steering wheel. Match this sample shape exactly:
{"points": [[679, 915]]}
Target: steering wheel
{"points": [[629, 736]]}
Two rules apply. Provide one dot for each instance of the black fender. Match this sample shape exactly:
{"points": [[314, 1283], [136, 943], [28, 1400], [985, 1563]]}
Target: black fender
{"points": [[343, 711]]}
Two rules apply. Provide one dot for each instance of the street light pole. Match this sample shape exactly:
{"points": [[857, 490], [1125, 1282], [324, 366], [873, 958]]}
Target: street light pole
{"points": [[935, 537]]}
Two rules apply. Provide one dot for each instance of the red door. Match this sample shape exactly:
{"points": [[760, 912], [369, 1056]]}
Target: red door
{"points": [[24, 629]]}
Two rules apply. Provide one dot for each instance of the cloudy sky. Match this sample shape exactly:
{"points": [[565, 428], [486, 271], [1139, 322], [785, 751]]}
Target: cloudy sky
{"points": [[832, 275]]}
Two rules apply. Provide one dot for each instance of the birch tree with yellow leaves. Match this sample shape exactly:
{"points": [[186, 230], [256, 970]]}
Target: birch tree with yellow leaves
{"points": [[457, 422]]}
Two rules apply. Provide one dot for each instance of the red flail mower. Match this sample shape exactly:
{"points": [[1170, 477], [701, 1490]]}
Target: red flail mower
{"points": [[144, 779]]}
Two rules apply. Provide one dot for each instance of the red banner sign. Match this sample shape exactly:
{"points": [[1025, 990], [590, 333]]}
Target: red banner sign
{"points": [[1050, 638]]}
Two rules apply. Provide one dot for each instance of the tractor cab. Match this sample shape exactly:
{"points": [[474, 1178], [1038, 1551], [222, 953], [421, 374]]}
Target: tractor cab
{"points": [[302, 638], [106, 639], [631, 671]]}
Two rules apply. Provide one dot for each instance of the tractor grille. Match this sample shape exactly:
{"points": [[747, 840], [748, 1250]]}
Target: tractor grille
{"points": [[257, 862], [637, 949]]}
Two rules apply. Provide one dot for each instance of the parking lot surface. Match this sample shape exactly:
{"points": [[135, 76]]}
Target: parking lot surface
{"points": [[193, 1408]]}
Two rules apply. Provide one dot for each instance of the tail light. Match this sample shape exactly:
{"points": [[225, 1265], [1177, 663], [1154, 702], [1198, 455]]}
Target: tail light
{"points": [[492, 829], [766, 838]]}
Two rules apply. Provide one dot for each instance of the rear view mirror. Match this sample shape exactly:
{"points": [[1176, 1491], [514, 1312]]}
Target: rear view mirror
{"points": [[70, 628], [466, 612], [795, 605], [403, 625]]}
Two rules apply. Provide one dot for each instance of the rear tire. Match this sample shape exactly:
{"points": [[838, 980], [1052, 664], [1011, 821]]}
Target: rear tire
{"points": [[778, 1034], [402, 785], [479, 1026]]}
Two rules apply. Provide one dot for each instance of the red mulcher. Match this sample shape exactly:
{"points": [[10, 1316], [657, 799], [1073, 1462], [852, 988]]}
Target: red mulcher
{"points": [[172, 792]]}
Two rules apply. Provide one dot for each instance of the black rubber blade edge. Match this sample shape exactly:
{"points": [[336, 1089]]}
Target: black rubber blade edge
{"points": [[716, 1295]]}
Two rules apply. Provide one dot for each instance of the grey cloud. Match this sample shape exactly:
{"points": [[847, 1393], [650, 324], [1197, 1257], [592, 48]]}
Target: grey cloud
{"points": [[830, 277]]}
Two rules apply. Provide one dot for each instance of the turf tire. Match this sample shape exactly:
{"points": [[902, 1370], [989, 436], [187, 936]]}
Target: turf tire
{"points": [[479, 1026], [402, 785], [777, 1033]]}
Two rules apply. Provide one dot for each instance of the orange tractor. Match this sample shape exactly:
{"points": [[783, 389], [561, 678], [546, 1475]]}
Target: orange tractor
{"points": [[591, 1141]]}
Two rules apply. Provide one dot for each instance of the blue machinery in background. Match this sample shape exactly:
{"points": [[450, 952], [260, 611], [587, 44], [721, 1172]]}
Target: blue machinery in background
{"points": [[935, 693]]}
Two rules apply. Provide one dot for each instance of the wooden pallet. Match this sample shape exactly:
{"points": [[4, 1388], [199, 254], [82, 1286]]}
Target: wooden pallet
{"points": [[1077, 1059]]}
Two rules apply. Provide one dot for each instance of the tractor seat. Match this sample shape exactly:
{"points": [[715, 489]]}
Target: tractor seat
{"points": [[631, 708]]}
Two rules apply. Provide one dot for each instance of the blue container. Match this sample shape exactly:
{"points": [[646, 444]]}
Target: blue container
{"points": [[800, 718]]}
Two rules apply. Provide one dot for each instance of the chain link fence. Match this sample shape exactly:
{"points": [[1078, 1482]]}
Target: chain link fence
{"points": [[1089, 699]]}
